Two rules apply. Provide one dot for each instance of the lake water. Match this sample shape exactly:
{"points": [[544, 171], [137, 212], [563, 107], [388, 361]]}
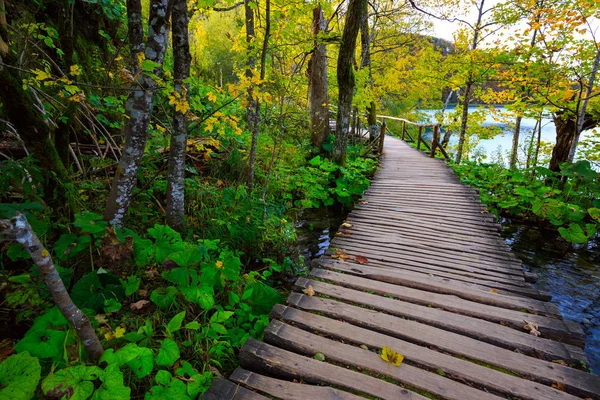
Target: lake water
{"points": [[503, 141]]}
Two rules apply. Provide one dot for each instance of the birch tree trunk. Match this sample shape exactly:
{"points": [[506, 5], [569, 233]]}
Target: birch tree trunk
{"points": [[140, 105], [515, 142], [346, 80], [318, 84], [19, 229], [181, 72]]}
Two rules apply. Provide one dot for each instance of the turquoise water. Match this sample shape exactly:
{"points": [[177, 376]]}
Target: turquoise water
{"points": [[503, 142], [571, 276]]}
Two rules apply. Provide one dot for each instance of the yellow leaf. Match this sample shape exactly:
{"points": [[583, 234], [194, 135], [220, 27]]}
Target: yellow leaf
{"points": [[211, 96], [219, 264], [101, 318], [45, 253], [75, 70], [119, 332], [391, 356], [140, 58], [41, 75], [108, 336]]}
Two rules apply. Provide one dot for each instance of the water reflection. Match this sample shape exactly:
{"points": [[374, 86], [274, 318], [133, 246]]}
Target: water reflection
{"points": [[571, 276]]}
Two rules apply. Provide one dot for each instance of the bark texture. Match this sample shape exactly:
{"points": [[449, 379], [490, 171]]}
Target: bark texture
{"points": [[252, 103], [586, 100], [135, 32], [345, 77], [36, 134], [177, 153], [140, 105], [468, 90], [19, 229], [566, 131], [515, 142], [318, 84]]}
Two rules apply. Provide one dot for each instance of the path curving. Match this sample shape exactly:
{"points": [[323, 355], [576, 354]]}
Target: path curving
{"points": [[420, 267]]}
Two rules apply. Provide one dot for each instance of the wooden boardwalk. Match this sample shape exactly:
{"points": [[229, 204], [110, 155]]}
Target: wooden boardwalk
{"points": [[421, 268]]}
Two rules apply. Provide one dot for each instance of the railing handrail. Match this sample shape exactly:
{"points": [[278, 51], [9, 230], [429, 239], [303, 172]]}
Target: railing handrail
{"points": [[409, 122]]}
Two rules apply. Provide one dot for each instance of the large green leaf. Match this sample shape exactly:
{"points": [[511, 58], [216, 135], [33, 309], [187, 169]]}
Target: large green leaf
{"points": [[69, 245], [175, 323], [164, 298], [94, 288], [112, 387], [76, 380], [19, 377], [168, 353], [90, 222], [42, 343], [143, 363], [167, 241]]}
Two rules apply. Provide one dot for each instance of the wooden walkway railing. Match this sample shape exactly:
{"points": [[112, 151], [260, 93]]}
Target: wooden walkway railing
{"points": [[406, 136], [420, 268]]}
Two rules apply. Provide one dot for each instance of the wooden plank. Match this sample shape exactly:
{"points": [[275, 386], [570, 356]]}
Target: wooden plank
{"points": [[399, 265], [272, 360], [489, 332], [288, 390], [222, 389], [472, 262], [444, 286], [575, 381], [495, 252], [300, 341], [548, 327], [422, 335]]}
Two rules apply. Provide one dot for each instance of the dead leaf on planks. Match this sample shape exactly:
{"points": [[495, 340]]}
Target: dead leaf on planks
{"points": [[309, 291], [340, 255], [346, 225], [494, 291], [559, 386], [532, 328], [361, 259]]}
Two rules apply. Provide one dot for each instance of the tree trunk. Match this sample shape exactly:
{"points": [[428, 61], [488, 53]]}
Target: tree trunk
{"points": [[464, 120], [36, 134], [181, 71], [566, 130], [515, 143], [448, 132], [135, 33], [318, 85], [253, 106], [140, 104], [345, 77], [18, 228], [469, 86], [581, 116]]}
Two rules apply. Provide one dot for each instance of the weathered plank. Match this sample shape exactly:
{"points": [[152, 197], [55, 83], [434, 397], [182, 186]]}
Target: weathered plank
{"points": [[222, 389], [548, 327], [273, 360], [547, 373], [444, 286], [297, 340], [288, 390]]}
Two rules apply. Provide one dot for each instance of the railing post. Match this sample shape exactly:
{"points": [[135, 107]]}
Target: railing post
{"points": [[382, 135], [419, 138], [434, 140], [403, 129]]}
